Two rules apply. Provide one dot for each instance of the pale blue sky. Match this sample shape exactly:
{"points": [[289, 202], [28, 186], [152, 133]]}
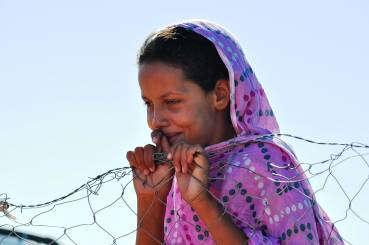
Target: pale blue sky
{"points": [[70, 104]]}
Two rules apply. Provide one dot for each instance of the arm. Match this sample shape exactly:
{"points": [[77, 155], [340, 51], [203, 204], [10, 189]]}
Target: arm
{"points": [[150, 220], [192, 180], [220, 225], [152, 184], [192, 168]]}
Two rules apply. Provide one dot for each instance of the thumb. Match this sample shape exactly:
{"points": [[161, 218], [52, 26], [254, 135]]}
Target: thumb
{"points": [[201, 160], [165, 146], [156, 138]]}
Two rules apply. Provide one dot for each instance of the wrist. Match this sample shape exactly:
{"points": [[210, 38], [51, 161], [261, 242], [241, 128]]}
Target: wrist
{"points": [[151, 206], [209, 209], [202, 201], [151, 197], [150, 219]]}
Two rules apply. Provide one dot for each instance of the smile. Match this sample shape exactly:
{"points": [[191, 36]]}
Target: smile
{"points": [[173, 137]]}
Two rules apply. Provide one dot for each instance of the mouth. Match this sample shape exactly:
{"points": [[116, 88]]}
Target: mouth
{"points": [[173, 137]]}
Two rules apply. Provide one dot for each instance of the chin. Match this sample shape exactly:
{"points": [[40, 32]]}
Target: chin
{"points": [[176, 139]]}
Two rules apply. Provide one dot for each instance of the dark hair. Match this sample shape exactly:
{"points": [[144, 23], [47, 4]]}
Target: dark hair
{"points": [[187, 50]]}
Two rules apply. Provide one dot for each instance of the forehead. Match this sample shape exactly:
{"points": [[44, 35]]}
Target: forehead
{"points": [[156, 79]]}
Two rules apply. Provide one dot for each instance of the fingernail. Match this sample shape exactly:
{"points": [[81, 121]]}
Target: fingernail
{"points": [[152, 169], [146, 172], [169, 156]]}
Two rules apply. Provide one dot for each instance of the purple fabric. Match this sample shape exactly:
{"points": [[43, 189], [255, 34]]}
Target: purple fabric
{"points": [[255, 176]]}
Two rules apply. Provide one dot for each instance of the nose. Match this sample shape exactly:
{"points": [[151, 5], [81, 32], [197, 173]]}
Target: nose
{"points": [[157, 119]]}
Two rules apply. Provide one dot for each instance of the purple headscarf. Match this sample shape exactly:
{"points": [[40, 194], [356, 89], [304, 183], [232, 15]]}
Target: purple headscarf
{"points": [[255, 176]]}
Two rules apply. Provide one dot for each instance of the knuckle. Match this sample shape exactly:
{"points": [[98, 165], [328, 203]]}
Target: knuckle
{"points": [[148, 147], [147, 164], [177, 153], [138, 148], [131, 161], [128, 154]]}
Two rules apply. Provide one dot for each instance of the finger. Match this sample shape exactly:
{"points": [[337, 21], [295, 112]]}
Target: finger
{"points": [[191, 167], [155, 134], [176, 156], [139, 156], [198, 156], [137, 170], [184, 162], [159, 148], [156, 138], [165, 144], [148, 157], [131, 159], [190, 155]]}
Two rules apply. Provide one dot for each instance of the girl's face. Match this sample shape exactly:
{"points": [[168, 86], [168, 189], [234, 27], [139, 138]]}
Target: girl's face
{"points": [[178, 107]]}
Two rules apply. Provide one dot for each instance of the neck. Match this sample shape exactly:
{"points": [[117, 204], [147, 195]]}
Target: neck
{"points": [[224, 130]]}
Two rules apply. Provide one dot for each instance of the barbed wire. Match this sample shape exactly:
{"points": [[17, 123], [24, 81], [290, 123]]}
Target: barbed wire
{"points": [[18, 218]]}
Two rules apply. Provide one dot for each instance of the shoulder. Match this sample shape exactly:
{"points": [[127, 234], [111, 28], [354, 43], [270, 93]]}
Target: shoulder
{"points": [[264, 159], [264, 152]]}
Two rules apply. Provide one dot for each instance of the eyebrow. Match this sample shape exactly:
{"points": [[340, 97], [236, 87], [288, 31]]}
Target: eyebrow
{"points": [[164, 95]]}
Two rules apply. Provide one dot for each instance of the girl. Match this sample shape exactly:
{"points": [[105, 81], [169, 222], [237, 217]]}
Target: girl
{"points": [[226, 179]]}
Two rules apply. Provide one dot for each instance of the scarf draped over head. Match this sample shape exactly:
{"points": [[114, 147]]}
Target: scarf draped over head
{"points": [[255, 175], [250, 111]]}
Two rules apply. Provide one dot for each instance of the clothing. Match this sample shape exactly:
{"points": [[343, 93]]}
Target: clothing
{"points": [[256, 176]]}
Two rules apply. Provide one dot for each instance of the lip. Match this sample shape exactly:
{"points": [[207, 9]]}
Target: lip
{"points": [[173, 137]]}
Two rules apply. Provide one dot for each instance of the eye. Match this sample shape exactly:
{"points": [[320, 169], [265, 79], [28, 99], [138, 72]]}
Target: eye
{"points": [[147, 103], [172, 101]]}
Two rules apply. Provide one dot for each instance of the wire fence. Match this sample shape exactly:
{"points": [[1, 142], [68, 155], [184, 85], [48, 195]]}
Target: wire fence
{"points": [[103, 209]]}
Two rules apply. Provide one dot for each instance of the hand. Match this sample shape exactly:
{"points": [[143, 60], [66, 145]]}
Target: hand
{"points": [[191, 168], [151, 179]]}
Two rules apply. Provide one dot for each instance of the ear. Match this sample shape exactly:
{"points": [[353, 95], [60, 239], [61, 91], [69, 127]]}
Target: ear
{"points": [[221, 95]]}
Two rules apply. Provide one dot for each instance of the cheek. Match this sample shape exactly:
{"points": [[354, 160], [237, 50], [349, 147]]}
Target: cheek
{"points": [[182, 120], [197, 123], [149, 116]]}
